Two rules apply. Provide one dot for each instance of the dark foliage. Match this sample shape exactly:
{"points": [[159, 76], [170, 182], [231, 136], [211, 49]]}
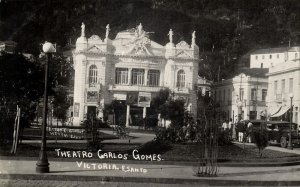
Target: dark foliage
{"points": [[91, 126], [226, 29], [155, 147], [260, 137], [6, 128], [225, 138]]}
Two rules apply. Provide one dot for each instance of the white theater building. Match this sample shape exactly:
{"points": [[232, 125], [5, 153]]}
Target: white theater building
{"points": [[107, 70]]}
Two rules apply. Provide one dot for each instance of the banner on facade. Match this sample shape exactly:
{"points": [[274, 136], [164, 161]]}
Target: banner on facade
{"points": [[132, 98], [76, 109], [92, 96], [144, 99]]}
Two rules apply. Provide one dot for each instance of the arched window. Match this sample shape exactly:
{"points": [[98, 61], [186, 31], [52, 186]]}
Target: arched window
{"points": [[180, 79], [93, 75]]}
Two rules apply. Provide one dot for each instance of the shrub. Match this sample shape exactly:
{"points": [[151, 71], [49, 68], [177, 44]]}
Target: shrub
{"points": [[260, 137], [155, 147], [91, 126], [225, 138], [6, 129]]}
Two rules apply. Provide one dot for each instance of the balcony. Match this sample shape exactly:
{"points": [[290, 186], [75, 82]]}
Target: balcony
{"points": [[257, 103], [136, 88], [181, 90], [282, 97]]}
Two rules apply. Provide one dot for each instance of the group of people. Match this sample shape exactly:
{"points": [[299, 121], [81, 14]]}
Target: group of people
{"points": [[237, 130], [230, 127]]}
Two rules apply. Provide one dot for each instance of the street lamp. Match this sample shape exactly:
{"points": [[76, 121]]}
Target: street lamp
{"points": [[290, 145], [42, 165], [239, 105]]}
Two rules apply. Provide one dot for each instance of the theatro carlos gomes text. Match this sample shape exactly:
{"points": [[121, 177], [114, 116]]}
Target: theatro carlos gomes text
{"points": [[108, 155]]}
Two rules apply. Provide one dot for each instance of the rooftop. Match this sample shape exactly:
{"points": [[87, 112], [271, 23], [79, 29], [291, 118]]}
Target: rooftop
{"points": [[276, 50], [254, 72], [270, 50]]}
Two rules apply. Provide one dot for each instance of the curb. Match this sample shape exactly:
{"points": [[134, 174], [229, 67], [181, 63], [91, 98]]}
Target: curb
{"points": [[245, 163], [203, 181]]}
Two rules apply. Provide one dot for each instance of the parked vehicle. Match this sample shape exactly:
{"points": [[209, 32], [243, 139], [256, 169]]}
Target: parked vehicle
{"points": [[278, 132]]}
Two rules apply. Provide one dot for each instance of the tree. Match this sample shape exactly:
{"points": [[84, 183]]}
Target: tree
{"points": [[61, 104], [20, 84]]}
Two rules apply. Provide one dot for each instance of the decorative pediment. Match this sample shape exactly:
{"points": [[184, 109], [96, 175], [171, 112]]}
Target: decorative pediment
{"points": [[95, 37], [183, 54], [183, 44], [94, 49]]}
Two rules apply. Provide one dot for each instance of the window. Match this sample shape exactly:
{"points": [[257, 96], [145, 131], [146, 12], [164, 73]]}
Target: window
{"points": [[242, 94], [229, 95], [180, 79], [264, 94], [256, 57], [224, 95], [253, 94], [263, 57], [275, 87], [137, 77], [153, 77], [277, 55], [296, 55], [291, 85], [261, 65], [93, 73], [283, 86], [121, 76], [270, 56]]}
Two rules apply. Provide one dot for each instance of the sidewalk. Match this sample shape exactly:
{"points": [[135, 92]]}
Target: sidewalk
{"points": [[134, 138], [296, 150], [69, 171]]}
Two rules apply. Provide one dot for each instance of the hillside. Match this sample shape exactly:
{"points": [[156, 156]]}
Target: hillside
{"points": [[226, 29]]}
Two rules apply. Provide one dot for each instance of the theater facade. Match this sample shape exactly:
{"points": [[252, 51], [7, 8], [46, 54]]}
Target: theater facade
{"points": [[134, 68]]}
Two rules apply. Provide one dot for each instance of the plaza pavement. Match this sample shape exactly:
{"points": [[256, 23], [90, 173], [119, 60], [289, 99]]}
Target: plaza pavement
{"points": [[157, 173], [167, 174]]}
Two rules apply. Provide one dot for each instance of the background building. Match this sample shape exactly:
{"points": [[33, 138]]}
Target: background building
{"points": [[250, 87], [284, 81], [204, 86], [133, 68], [266, 58]]}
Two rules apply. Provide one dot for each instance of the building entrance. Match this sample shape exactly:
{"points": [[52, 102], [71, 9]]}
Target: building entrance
{"points": [[136, 114], [91, 112]]}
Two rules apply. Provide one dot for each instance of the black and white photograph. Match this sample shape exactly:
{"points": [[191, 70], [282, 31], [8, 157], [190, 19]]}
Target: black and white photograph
{"points": [[153, 93]]}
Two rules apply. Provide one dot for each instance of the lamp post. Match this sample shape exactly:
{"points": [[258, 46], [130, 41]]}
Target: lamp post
{"points": [[290, 145], [42, 165], [239, 105]]}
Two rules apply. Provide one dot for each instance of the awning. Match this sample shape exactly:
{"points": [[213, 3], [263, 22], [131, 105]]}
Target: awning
{"points": [[282, 111], [272, 110]]}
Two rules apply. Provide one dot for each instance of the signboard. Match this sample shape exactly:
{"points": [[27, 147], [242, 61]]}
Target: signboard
{"points": [[144, 99], [92, 96], [76, 109], [132, 98]]}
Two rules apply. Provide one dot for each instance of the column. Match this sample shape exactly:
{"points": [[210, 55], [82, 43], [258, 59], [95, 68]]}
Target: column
{"points": [[127, 115], [144, 116], [129, 75], [145, 77], [84, 74], [144, 112]]}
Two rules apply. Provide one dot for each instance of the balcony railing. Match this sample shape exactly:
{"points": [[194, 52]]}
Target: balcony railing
{"points": [[140, 88], [257, 103], [282, 97]]}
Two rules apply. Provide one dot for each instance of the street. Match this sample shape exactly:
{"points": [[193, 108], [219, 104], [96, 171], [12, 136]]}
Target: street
{"points": [[53, 183]]}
